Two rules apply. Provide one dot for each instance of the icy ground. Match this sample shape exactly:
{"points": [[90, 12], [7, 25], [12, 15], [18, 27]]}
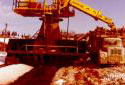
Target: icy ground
{"points": [[11, 73]]}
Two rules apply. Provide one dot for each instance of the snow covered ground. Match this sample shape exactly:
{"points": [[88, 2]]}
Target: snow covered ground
{"points": [[11, 73]]}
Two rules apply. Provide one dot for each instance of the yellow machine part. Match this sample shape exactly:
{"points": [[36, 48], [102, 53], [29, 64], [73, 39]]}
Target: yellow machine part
{"points": [[97, 15]]}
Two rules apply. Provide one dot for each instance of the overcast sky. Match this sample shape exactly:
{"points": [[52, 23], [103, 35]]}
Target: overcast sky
{"points": [[114, 9]]}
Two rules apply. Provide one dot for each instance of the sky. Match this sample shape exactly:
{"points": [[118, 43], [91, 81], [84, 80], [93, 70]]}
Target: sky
{"points": [[81, 23]]}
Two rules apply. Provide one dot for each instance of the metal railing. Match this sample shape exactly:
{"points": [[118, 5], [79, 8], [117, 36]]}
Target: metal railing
{"points": [[53, 47]]}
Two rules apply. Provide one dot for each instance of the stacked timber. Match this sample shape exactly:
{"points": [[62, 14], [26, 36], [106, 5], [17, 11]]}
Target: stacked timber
{"points": [[90, 76]]}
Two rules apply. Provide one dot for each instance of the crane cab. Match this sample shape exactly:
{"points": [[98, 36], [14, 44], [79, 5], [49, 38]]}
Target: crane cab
{"points": [[33, 8], [30, 8]]}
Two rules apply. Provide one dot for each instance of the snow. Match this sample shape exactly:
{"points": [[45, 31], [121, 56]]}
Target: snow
{"points": [[11, 73], [1, 63], [3, 56], [4, 40]]}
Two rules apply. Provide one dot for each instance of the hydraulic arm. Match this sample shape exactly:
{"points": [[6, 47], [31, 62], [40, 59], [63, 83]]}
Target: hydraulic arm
{"points": [[97, 15]]}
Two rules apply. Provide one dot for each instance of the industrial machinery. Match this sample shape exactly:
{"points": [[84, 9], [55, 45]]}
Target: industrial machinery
{"points": [[112, 51], [106, 47], [49, 47]]}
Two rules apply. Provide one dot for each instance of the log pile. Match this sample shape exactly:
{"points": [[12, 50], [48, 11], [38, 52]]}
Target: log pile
{"points": [[90, 76]]}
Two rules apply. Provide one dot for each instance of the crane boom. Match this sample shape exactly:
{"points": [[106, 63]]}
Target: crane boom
{"points": [[97, 15], [34, 8]]}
